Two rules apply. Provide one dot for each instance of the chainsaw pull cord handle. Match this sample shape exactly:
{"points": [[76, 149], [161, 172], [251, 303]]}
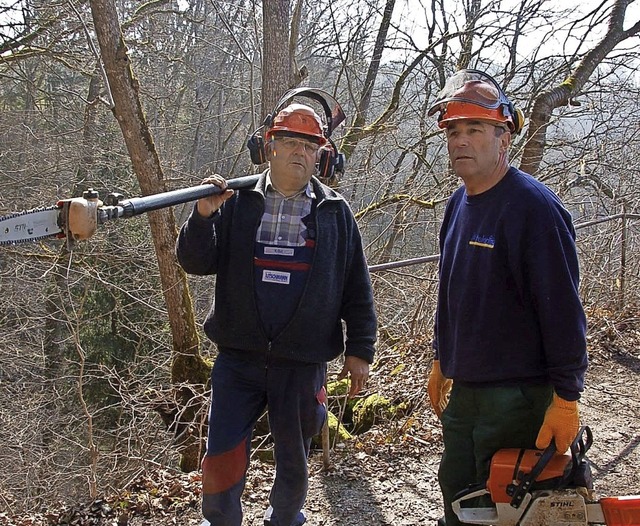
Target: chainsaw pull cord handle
{"points": [[578, 449]]}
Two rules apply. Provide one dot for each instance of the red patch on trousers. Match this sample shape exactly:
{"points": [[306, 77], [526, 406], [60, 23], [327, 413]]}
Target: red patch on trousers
{"points": [[221, 472], [321, 396]]}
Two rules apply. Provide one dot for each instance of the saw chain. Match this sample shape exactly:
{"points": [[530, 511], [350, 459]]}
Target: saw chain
{"points": [[30, 225]]}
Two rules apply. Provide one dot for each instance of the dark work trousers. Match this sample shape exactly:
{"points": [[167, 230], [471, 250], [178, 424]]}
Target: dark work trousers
{"points": [[241, 389], [476, 423]]}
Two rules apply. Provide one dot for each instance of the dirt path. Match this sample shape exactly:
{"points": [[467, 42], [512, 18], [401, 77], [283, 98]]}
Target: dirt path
{"points": [[387, 476], [380, 483]]}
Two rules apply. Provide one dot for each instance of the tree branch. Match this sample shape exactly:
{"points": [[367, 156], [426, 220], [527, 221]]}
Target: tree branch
{"points": [[560, 95]]}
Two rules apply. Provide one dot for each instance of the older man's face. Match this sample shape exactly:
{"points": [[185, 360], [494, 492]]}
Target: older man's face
{"points": [[476, 148], [292, 161]]}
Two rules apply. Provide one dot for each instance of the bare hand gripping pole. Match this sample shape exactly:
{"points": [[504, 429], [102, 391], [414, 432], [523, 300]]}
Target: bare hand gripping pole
{"points": [[141, 205], [80, 216]]}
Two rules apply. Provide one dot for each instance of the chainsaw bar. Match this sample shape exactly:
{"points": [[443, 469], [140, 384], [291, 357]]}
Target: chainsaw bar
{"points": [[30, 225]]}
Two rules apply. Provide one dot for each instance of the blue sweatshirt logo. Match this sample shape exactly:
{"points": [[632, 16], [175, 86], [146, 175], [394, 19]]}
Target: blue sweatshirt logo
{"points": [[478, 240]]}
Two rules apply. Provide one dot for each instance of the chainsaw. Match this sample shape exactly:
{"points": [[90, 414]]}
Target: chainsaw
{"points": [[530, 487], [78, 218]]}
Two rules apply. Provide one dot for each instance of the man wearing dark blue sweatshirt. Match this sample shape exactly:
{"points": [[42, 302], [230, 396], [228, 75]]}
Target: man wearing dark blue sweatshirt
{"points": [[510, 332], [290, 270]]}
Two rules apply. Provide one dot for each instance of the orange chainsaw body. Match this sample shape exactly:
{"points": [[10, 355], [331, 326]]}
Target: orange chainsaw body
{"points": [[530, 487]]}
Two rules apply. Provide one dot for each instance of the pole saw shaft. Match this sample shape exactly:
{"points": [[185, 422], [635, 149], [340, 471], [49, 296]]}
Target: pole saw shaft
{"points": [[141, 205], [80, 216]]}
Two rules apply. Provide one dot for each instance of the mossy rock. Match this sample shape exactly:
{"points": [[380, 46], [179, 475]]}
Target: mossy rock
{"points": [[374, 408], [338, 387], [337, 396], [334, 426]]}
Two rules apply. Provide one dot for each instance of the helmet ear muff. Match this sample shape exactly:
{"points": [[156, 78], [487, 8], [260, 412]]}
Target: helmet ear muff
{"points": [[518, 120], [326, 166], [257, 151], [255, 143], [517, 117], [330, 164]]}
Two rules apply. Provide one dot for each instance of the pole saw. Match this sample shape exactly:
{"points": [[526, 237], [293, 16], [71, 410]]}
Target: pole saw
{"points": [[78, 218], [530, 487]]}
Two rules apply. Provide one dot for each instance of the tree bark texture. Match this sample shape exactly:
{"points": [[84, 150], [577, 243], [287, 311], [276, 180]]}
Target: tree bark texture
{"points": [[277, 53], [188, 367]]}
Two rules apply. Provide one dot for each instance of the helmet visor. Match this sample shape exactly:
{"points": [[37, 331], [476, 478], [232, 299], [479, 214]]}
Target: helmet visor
{"points": [[298, 120], [470, 86]]}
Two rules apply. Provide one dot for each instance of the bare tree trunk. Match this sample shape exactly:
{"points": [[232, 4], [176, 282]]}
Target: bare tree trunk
{"points": [[561, 95], [277, 53], [88, 134], [188, 367], [55, 332], [622, 275]]}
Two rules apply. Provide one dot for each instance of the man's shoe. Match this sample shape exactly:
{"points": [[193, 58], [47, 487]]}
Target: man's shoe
{"points": [[299, 521], [267, 516]]}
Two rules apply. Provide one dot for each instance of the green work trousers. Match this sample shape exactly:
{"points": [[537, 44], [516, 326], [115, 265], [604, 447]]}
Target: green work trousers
{"points": [[476, 423]]}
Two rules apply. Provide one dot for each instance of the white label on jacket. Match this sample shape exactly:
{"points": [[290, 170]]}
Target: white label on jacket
{"points": [[274, 276], [279, 251]]}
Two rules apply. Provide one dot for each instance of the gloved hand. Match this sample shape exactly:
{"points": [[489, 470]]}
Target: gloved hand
{"points": [[438, 388], [561, 422]]}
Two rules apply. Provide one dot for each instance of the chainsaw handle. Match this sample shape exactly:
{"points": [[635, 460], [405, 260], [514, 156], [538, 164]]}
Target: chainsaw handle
{"points": [[578, 448], [518, 492], [580, 445], [474, 515]]}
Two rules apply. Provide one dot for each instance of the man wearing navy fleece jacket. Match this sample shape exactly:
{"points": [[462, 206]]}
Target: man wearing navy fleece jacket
{"points": [[290, 271], [510, 332]]}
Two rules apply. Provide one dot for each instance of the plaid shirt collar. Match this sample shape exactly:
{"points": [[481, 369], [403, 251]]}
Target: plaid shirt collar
{"points": [[307, 190], [282, 221]]}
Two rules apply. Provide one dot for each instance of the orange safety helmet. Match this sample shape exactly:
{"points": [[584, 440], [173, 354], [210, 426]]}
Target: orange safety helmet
{"points": [[298, 120], [472, 94]]}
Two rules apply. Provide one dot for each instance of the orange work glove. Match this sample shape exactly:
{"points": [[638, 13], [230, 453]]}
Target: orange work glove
{"points": [[438, 388], [561, 422]]}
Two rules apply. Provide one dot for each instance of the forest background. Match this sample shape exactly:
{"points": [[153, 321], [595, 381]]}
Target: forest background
{"points": [[103, 366]]}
